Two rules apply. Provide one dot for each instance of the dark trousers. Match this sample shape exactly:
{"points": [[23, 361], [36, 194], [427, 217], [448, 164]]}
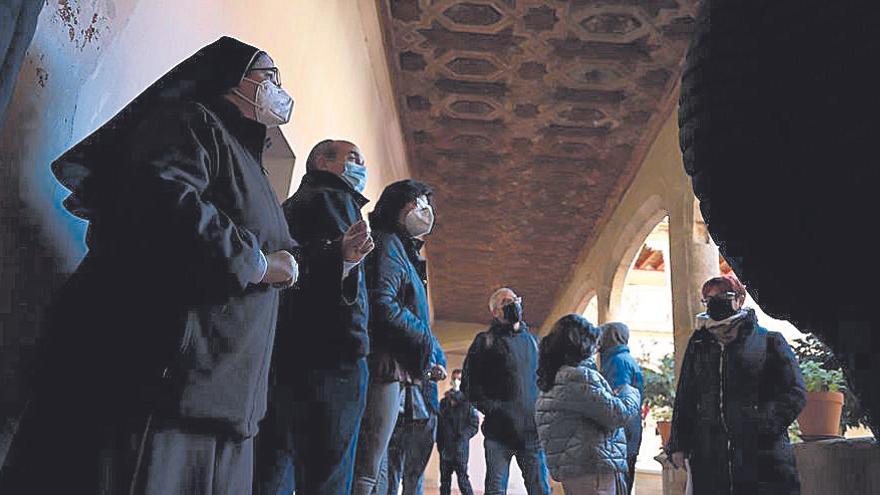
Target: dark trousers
{"points": [[143, 456], [311, 434], [178, 460], [532, 462], [408, 454], [459, 467], [631, 472]]}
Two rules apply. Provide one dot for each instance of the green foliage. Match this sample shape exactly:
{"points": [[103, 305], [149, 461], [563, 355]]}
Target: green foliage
{"points": [[662, 413], [794, 432], [812, 350], [659, 384], [818, 379]]}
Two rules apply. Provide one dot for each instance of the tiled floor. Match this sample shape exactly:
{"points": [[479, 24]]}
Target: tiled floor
{"points": [[646, 484]]}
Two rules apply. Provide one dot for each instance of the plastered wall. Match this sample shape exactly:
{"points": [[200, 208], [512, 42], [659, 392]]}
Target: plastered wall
{"points": [[90, 57]]}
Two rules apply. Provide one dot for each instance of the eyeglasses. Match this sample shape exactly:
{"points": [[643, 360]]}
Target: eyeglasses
{"points": [[506, 301], [727, 296], [274, 74]]}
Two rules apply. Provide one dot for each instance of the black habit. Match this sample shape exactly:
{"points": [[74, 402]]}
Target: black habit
{"points": [[161, 323]]}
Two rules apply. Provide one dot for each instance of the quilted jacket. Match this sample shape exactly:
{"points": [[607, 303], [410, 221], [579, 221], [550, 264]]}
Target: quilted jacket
{"points": [[580, 423]]}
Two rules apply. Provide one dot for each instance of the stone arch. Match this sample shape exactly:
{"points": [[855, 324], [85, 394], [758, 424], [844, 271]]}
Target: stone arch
{"points": [[585, 301], [627, 247]]}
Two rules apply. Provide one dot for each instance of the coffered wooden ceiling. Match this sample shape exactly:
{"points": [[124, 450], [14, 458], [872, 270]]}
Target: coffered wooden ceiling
{"points": [[529, 118]]}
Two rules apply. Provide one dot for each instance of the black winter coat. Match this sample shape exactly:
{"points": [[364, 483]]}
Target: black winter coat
{"points": [[400, 328], [500, 379], [323, 320], [456, 426], [733, 407]]}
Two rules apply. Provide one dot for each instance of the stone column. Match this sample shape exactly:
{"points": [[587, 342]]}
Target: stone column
{"points": [[693, 260], [603, 303]]}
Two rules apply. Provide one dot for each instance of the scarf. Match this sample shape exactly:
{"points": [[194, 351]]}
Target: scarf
{"points": [[724, 331]]}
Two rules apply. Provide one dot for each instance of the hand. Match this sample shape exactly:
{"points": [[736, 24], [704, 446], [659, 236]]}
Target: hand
{"points": [[357, 242], [282, 269], [437, 373], [677, 459]]}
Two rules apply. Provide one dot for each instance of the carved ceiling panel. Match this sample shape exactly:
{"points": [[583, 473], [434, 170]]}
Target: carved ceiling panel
{"points": [[529, 118]]}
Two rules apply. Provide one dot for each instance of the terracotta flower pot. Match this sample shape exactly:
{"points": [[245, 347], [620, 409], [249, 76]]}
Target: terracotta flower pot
{"points": [[665, 429], [821, 415]]}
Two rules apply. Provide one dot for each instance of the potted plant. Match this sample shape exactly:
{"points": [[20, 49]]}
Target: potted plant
{"points": [[821, 414], [812, 350], [660, 393], [663, 416]]}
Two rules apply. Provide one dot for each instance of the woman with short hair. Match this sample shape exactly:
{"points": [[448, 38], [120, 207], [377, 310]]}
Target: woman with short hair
{"points": [[405, 358], [580, 418], [739, 389]]}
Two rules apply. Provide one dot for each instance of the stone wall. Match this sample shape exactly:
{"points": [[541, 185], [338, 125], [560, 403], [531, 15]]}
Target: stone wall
{"points": [[828, 467], [839, 467]]}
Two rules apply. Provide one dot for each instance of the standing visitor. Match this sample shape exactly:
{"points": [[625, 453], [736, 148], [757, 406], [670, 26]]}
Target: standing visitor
{"points": [[580, 417], [739, 389]]}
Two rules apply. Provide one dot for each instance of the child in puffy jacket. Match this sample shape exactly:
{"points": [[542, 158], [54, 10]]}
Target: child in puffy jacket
{"points": [[580, 418]]}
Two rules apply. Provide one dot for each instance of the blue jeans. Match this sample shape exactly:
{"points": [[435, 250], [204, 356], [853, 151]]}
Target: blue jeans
{"points": [[531, 462], [408, 453], [460, 468], [317, 419]]}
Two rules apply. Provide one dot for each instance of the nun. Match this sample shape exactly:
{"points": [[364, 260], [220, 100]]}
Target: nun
{"points": [[154, 365]]}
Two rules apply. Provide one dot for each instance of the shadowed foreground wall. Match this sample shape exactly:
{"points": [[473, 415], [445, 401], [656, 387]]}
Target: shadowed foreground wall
{"points": [[90, 57]]}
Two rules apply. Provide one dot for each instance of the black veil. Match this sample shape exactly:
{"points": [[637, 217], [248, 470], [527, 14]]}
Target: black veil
{"points": [[205, 75]]}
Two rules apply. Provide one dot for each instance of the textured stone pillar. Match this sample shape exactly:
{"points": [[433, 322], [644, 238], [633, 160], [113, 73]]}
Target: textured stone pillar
{"points": [[844, 466], [693, 260], [606, 310], [674, 480]]}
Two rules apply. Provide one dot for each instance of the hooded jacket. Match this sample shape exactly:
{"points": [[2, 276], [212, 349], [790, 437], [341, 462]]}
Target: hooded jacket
{"points": [[733, 406], [580, 423], [619, 368]]}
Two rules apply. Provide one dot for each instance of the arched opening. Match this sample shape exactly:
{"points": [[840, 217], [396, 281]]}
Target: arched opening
{"points": [[646, 307], [592, 310], [646, 296]]}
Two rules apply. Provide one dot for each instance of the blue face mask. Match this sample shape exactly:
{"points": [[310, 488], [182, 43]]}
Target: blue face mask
{"points": [[356, 176]]}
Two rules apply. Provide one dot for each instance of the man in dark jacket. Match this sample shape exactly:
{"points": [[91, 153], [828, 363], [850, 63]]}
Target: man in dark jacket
{"points": [[619, 368], [158, 346], [500, 373], [319, 361], [457, 424], [415, 431], [739, 389]]}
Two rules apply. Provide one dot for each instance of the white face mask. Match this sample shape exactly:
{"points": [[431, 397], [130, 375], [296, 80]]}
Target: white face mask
{"points": [[456, 384], [420, 220], [272, 105]]}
